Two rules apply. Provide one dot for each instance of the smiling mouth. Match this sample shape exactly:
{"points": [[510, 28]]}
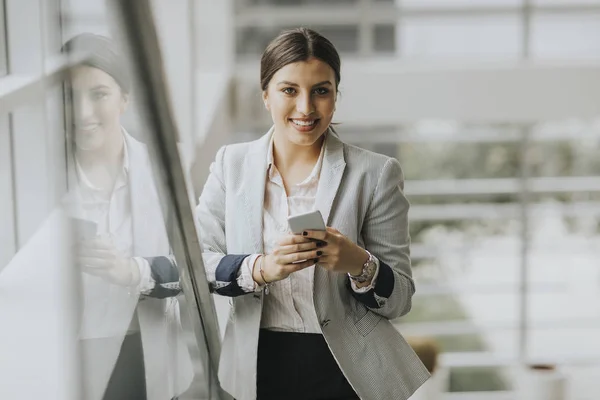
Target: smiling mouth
{"points": [[87, 128], [304, 123]]}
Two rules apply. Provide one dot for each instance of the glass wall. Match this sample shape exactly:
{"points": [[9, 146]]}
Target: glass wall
{"points": [[102, 281]]}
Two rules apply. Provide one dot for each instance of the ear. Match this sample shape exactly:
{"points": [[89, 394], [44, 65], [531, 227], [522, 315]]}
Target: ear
{"points": [[265, 97], [124, 102]]}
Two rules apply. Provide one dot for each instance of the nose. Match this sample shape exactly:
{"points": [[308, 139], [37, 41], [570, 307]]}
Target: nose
{"points": [[304, 104], [82, 109]]}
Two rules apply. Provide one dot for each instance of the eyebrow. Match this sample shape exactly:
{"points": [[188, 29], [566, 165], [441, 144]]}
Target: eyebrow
{"points": [[100, 87], [296, 85]]}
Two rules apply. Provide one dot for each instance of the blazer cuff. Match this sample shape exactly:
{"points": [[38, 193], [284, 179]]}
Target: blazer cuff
{"points": [[379, 292], [166, 276], [245, 279], [226, 275]]}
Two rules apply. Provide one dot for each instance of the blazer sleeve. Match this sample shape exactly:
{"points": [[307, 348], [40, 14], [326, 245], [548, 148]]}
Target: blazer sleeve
{"points": [[386, 236], [165, 274], [222, 269]]}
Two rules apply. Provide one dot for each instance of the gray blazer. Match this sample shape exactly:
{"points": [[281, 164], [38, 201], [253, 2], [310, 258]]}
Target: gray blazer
{"points": [[360, 194]]}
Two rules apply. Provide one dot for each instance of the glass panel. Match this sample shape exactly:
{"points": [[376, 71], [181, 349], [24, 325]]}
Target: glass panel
{"points": [[460, 37], [7, 217], [566, 36], [385, 39], [131, 319], [88, 313], [479, 379], [569, 214], [3, 42], [38, 317]]}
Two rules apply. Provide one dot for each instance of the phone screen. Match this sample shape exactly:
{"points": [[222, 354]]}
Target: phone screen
{"points": [[84, 229]]}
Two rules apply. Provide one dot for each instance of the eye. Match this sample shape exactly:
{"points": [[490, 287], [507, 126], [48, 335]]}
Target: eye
{"points": [[99, 96], [321, 91], [289, 90]]}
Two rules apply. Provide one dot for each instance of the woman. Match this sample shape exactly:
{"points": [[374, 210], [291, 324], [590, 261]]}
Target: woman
{"points": [[321, 330], [130, 332]]}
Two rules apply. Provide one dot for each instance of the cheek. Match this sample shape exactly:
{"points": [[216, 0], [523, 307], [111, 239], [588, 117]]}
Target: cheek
{"points": [[326, 107], [108, 112], [281, 109]]}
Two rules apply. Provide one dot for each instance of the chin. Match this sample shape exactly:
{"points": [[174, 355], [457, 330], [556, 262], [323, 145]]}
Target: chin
{"points": [[89, 142], [304, 138]]}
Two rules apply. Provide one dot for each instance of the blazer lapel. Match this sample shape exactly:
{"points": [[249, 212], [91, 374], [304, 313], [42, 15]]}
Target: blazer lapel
{"points": [[332, 171], [149, 234], [252, 189]]}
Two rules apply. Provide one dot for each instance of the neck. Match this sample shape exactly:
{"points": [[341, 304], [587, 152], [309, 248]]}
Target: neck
{"points": [[287, 155], [110, 155]]}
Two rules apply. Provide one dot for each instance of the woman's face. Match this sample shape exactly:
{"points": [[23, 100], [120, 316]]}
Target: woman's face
{"points": [[301, 98], [98, 103]]}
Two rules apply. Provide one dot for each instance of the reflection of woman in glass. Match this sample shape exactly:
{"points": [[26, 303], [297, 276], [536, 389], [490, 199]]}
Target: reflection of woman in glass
{"points": [[321, 330], [131, 337]]}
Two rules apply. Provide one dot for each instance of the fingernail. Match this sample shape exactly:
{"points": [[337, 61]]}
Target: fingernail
{"points": [[320, 244], [319, 253], [316, 260], [304, 233]]}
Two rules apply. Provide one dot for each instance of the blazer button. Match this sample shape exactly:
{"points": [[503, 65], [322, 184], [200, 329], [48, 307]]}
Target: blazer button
{"points": [[325, 323]]}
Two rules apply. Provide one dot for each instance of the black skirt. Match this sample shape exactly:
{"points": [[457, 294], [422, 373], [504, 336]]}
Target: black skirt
{"points": [[299, 366]]}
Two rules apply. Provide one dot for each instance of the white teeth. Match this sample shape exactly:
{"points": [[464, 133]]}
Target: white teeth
{"points": [[304, 123], [88, 127]]}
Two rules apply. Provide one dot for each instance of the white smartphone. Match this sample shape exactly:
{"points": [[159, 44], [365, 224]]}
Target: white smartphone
{"points": [[83, 229], [312, 221]]}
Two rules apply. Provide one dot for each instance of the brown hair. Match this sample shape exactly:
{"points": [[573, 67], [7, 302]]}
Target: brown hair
{"points": [[102, 53], [296, 45]]}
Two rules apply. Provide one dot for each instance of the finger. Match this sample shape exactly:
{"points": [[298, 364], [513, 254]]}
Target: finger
{"points": [[297, 248], [332, 231], [94, 252], [293, 239], [101, 243], [318, 235], [300, 266], [101, 273], [325, 262], [301, 256], [96, 263]]}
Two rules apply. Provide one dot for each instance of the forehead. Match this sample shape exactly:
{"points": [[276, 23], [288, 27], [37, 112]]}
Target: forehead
{"points": [[306, 72], [86, 77]]}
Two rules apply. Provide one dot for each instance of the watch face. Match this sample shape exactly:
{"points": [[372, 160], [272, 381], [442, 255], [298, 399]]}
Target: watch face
{"points": [[367, 271]]}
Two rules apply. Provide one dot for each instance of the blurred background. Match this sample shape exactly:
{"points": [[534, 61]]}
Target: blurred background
{"points": [[492, 108]]}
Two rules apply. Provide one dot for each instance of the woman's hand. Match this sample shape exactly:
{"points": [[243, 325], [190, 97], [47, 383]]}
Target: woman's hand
{"points": [[340, 254], [293, 253], [101, 258]]}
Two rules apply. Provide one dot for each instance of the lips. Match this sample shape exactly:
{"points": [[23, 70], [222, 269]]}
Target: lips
{"points": [[304, 125], [87, 128]]}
